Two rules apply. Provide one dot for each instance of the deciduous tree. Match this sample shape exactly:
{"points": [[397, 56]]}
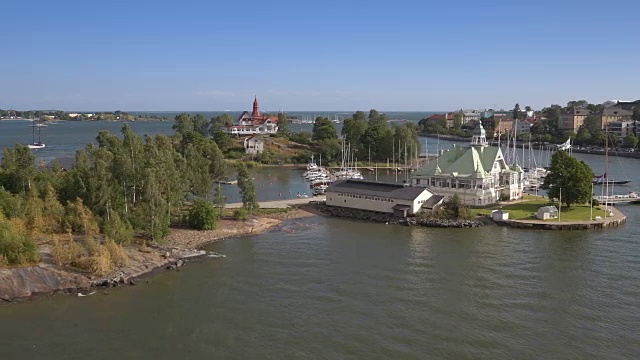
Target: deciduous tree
{"points": [[570, 177]]}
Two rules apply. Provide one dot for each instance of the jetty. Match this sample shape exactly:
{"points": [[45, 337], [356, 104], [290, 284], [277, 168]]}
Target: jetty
{"points": [[631, 197], [281, 204]]}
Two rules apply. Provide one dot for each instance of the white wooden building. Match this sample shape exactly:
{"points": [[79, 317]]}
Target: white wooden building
{"points": [[478, 174], [253, 145], [384, 197]]}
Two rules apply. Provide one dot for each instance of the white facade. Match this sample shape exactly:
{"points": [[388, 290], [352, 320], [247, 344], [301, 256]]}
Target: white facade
{"points": [[478, 174], [471, 115], [385, 203], [253, 145], [523, 127]]}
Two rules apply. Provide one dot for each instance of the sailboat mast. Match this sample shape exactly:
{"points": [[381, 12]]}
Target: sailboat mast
{"points": [[606, 170]]}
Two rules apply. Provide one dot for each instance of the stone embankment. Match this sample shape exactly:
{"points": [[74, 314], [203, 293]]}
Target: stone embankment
{"points": [[391, 219], [443, 223]]}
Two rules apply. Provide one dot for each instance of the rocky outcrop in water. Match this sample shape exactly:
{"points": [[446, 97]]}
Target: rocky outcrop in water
{"points": [[18, 283], [444, 223]]}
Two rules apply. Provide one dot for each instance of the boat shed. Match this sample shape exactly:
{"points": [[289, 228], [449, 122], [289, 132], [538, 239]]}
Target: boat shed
{"points": [[384, 197]]}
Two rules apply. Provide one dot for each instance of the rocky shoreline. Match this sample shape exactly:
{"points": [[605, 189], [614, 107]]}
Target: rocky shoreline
{"points": [[46, 278]]}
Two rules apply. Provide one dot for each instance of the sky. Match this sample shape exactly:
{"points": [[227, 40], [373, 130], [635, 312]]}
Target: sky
{"points": [[316, 55]]}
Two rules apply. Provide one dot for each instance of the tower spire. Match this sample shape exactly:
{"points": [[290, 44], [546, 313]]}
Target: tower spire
{"points": [[256, 108]]}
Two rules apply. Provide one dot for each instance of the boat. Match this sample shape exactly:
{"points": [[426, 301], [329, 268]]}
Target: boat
{"points": [[39, 144], [604, 180]]}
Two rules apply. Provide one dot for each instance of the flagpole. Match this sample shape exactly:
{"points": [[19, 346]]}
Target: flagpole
{"points": [[560, 205], [592, 201]]}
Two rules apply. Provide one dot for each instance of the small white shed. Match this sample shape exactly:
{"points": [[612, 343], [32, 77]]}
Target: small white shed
{"points": [[499, 215], [253, 145], [547, 212]]}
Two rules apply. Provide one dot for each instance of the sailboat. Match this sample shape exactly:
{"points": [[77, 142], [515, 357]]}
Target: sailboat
{"points": [[604, 178], [39, 144]]}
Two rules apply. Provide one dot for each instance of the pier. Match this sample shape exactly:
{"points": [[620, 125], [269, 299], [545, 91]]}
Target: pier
{"points": [[280, 204], [629, 198]]}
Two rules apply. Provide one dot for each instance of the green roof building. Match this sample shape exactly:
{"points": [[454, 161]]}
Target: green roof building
{"points": [[478, 173]]}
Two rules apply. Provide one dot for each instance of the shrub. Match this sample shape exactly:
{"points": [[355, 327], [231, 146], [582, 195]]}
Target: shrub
{"points": [[118, 256], [118, 230], [241, 214], [202, 215], [66, 252], [16, 249]]}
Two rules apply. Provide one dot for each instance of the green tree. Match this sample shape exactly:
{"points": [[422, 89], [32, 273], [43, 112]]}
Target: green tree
{"points": [[578, 104], [283, 123], [202, 215], [517, 112], [220, 121], [457, 120], [636, 114], [353, 129], [377, 119], [15, 248], [570, 178], [329, 149], [583, 136], [630, 141], [323, 129], [247, 188], [201, 125], [592, 123], [184, 124]]}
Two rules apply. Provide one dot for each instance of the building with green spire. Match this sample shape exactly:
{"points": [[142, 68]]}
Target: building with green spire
{"points": [[478, 173]]}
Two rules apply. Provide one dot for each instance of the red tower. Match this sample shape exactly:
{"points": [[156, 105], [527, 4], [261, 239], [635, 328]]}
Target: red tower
{"points": [[256, 111]]}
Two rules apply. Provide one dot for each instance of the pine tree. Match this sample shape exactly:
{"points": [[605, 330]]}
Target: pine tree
{"points": [[247, 188]]}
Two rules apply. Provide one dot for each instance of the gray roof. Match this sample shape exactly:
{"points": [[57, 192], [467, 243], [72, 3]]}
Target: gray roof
{"points": [[578, 111], [432, 201], [615, 111], [377, 188], [550, 209]]}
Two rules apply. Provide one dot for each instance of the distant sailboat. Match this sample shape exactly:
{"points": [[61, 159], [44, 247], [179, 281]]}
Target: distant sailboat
{"points": [[39, 144]]}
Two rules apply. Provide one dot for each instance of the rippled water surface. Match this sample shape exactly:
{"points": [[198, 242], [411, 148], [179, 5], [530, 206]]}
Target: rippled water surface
{"points": [[331, 288], [336, 289]]}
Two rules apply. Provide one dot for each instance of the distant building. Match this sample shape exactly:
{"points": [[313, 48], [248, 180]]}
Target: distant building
{"points": [[523, 127], [622, 128], [470, 116], [613, 114], [478, 174], [572, 119], [447, 118], [253, 145], [547, 213], [385, 197], [628, 105], [254, 123]]}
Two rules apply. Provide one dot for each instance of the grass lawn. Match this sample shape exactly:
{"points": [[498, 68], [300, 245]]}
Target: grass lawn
{"points": [[527, 210]]}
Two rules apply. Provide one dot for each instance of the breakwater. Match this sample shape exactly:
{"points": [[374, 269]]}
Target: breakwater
{"points": [[391, 219]]}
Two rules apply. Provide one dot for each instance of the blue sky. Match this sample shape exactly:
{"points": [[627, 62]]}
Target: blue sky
{"points": [[320, 55]]}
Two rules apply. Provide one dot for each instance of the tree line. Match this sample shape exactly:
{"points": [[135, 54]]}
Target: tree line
{"points": [[368, 137], [125, 185]]}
